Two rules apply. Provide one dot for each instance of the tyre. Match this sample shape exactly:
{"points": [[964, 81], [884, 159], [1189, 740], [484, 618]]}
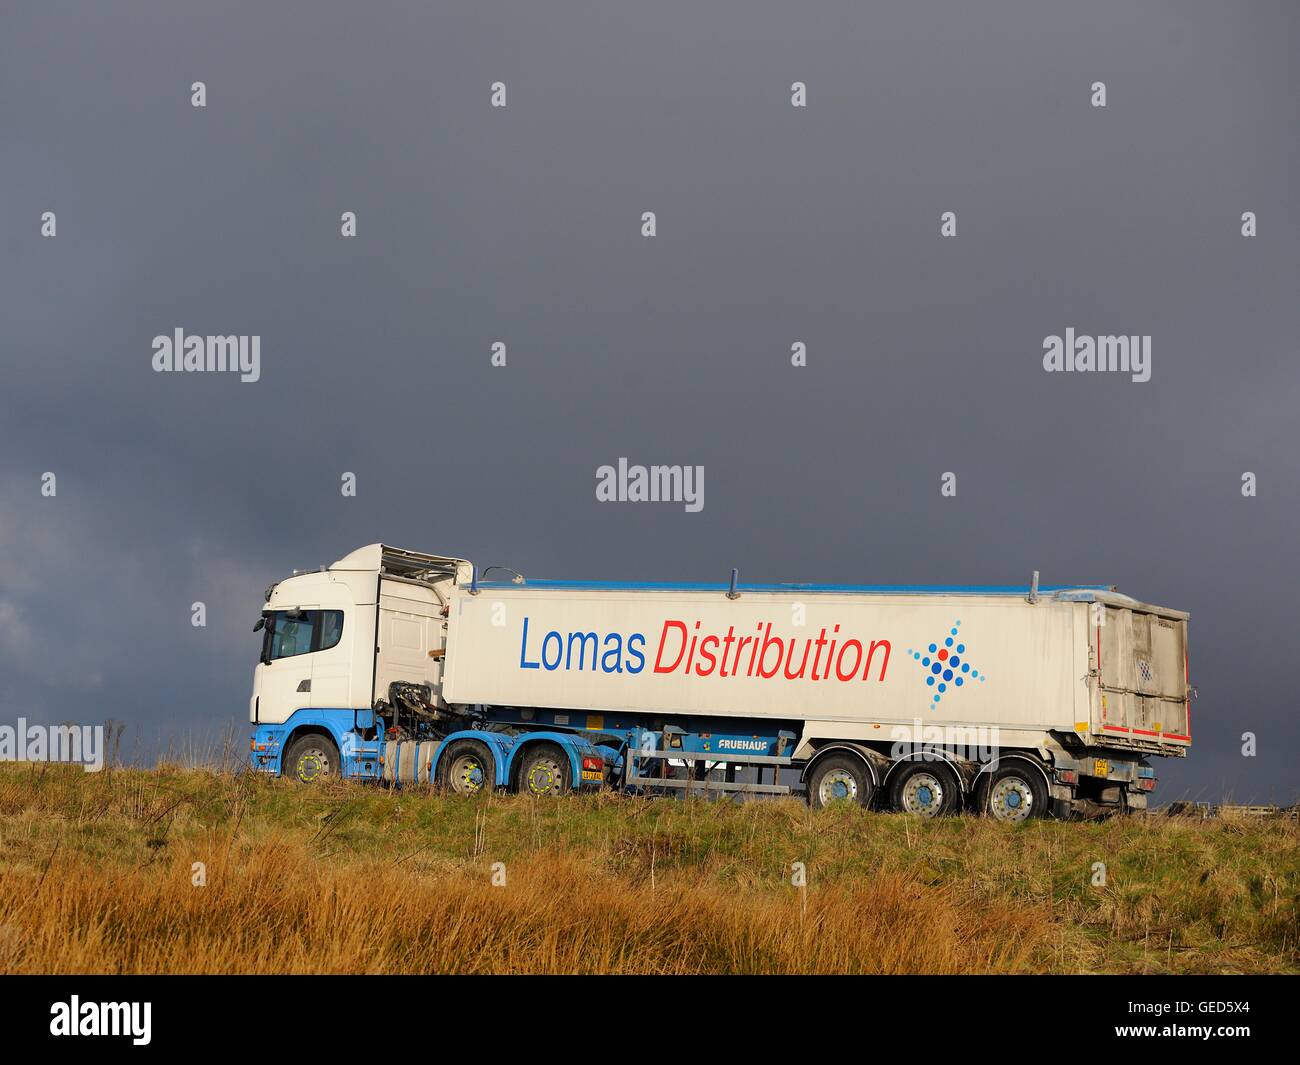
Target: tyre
{"points": [[544, 770], [927, 789], [467, 768], [1015, 793], [839, 778], [310, 758]]}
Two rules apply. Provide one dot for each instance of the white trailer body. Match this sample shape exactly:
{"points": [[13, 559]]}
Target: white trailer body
{"points": [[859, 664]]}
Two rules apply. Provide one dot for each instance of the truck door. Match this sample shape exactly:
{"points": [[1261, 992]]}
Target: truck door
{"points": [[282, 680], [331, 661], [1141, 661]]}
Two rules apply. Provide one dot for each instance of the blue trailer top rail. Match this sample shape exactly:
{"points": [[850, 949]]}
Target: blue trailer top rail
{"points": [[714, 586]]}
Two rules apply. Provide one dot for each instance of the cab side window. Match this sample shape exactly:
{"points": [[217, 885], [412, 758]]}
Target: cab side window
{"points": [[331, 629], [291, 636], [311, 630]]}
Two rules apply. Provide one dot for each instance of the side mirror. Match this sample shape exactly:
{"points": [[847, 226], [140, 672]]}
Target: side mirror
{"points": [[259, 624]]}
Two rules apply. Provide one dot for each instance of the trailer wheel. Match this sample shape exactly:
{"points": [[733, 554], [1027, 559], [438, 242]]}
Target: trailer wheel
{"points": [[544, 771], [838, 778], [927, 789], [1015, 794], [311, 757], [467, 768]]}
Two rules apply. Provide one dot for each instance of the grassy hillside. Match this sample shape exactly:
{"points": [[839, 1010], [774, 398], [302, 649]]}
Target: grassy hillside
{"points": [[97, 871]]}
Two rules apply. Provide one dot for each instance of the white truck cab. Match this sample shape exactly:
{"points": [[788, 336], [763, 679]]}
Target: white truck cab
{"points": [[320, 645]]}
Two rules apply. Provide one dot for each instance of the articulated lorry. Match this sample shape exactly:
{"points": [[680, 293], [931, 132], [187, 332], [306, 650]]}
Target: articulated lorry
{"points": [[1015, 702]]}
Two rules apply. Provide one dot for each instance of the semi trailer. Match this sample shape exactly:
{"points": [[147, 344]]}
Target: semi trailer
{"points": [[1017, 702]]}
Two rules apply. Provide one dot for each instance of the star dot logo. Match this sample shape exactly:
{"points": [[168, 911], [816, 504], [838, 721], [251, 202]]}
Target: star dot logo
{"points": [[945, 665]]}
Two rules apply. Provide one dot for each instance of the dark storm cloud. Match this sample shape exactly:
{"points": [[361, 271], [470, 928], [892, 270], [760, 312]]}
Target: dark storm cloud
{"points": [[522, 225]]}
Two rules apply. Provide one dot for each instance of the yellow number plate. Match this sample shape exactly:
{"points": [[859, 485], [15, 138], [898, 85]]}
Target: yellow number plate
{"points": [[1103, 768]]}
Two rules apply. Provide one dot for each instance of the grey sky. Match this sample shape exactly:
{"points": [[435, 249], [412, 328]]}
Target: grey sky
{"points": [[522, 225]]}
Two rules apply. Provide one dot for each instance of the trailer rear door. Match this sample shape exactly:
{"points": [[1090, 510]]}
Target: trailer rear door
{"points": [[1141, 660]]}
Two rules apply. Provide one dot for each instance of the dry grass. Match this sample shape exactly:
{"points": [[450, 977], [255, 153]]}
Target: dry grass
{"points": [[96, 876]]}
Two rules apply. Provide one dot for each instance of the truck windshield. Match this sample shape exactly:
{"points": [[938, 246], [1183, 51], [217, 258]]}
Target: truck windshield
{"points": [[303, 632]]}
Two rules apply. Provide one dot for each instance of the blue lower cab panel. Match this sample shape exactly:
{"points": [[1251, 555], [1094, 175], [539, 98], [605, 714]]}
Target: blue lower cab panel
{"points": [[359, 757], [362, 759], [266, 748]]}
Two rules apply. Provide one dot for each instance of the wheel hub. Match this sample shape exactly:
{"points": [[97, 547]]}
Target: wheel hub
{"points": [[466, 775], [312, 765], [1012, 799], [544, 776], [923, 794], [837, 784]]}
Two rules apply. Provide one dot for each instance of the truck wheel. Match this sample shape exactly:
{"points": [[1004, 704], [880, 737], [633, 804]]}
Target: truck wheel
{"points": [[544, 771], [927, 789], [839, 777], [467, 768], [1015, 794], [311, 757]]}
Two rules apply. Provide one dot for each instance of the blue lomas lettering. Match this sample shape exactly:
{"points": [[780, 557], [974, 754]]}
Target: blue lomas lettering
{"points": [[611, 653]]}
